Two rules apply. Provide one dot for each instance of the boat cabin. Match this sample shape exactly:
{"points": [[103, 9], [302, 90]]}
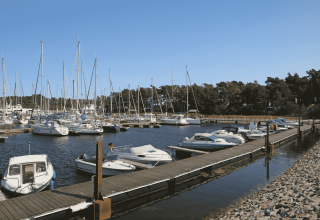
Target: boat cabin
{"points": [[25, 169]]}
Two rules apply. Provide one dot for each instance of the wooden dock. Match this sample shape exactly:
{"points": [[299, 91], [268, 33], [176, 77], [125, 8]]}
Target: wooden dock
{"points": [[122, 189]]}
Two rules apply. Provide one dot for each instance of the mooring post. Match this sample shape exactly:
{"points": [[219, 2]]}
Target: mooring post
{"points": [[268, 146], [299, 134], [102, 207], [313, 126]]}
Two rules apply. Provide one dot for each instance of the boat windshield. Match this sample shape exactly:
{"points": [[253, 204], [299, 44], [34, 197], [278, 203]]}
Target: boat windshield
{"points": [[14, 170], [111, 158], [41, 167], [213, 137]]}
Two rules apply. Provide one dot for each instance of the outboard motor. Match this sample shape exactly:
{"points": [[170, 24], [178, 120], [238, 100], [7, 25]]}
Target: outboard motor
{"points": [[186, 139]]}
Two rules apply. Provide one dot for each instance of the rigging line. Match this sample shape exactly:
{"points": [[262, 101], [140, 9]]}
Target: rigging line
{"points": [[192, 91], [158, 99], [35, 91], [21, 87], [144, 109], [170, 100], [90, 83], [8, 85], [133, 103], [72, 71]]}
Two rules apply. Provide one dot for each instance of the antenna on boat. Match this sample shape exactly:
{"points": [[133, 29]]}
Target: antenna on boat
{"points": [[29, 147]]}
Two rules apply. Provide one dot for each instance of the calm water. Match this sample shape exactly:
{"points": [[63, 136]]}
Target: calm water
{"points": [[201, 202]]}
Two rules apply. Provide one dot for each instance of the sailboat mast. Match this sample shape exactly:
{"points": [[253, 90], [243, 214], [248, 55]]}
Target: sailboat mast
{"points": [[152, 97], [48, 95], [41, 74], [21, 91], [187, 87], [119, 102], [81, 87], [172, 87], [64, 94], [110, 94], [3, 92], [138, 101], [78, 74], [95, 84], [129, 101], [15, 90]]}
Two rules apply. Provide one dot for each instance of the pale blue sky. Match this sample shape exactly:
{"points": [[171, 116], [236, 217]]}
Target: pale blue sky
{"points": [[219, 40]]}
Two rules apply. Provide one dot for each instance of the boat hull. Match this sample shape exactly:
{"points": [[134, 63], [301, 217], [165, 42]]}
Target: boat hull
{"points": [[91, 168], [49, 131]]}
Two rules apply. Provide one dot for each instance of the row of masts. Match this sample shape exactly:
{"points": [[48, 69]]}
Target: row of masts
{"points": [[42, 106]]}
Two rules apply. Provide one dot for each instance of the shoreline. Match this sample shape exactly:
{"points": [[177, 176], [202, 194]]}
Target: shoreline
{"points": [[295, 194]]}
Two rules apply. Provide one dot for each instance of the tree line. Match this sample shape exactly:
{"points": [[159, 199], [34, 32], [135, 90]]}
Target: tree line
{"points": [[292, 96]]}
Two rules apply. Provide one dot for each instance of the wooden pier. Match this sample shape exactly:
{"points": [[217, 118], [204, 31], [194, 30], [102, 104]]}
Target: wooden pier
{"points": [[125, 190], [141, 125]]}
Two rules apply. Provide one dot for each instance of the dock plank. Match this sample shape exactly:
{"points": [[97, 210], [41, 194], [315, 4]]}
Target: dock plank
{"points": [[21, 206], [11, 210], [2, 215], [33, 204], [6, 212], [19, 210]]}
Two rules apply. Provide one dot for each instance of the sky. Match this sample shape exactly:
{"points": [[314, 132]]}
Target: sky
{"points": [[219, 40]]}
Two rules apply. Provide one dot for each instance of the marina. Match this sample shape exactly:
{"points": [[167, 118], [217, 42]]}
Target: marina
{"points": [[127, 188]]}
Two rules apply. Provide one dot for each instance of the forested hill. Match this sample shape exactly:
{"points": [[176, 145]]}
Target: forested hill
{"points": [[291, 96]]}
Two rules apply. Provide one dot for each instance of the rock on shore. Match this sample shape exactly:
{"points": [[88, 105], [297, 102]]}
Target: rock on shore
{"points": [[294, 195]]}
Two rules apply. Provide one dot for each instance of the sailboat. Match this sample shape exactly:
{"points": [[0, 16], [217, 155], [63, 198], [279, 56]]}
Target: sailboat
{"points": [[191, 121]]}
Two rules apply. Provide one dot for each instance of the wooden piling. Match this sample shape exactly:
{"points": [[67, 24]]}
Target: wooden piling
{"points": [[102, 207]]}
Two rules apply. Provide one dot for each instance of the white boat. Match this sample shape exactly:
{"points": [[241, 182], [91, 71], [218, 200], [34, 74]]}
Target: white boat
{"points": [[51, 128], [174, 120], [206, 141], [144, 154], [86, 128], [20, 119], [228, 136], [111, 165], [28, 174], [254, 134], [285, 121], [193, 121], [235, 129], [110, 127]]}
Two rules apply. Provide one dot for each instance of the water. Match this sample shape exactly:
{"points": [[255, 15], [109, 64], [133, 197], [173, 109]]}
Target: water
{"points": [[200, 202]]}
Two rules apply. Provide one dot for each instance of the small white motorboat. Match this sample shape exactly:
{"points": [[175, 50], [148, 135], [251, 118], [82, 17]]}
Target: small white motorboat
{"points": [[51, 128], [174, 120], [111, 165], [28, 174], [286, 122], [86, 128], [228, 136], [144, 154], [254, 134], [206, 141]]}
